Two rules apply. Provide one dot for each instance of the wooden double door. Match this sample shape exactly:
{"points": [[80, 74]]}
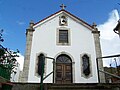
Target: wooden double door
{"points": [[63, 70]]}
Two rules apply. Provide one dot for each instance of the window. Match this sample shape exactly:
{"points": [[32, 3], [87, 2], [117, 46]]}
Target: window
{"points": [[40, 60], [86, 66], [41, 63], [63, 36]]}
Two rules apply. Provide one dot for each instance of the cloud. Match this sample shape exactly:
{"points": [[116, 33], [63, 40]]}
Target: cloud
{"points": [[20, 60], [20, 22], [107, 27], [110, 41]]}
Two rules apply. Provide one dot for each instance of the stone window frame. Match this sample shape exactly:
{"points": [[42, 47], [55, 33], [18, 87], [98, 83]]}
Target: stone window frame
{"points": [[57, 36], [36, 64], [63, 36], [81, 64]]}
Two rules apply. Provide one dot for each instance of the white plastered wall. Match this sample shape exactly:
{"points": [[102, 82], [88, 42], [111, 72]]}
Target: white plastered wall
{"points": [[44, 40]]}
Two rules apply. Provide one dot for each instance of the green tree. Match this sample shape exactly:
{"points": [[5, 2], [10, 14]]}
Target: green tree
{"points": [[7, 59]]}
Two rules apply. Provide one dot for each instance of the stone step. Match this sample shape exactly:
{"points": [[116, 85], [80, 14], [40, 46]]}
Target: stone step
{"points": [[74, 86], [92, 86]]}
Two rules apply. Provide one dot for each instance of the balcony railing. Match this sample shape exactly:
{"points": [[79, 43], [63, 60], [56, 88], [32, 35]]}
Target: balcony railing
{"points": [[111, 68]]}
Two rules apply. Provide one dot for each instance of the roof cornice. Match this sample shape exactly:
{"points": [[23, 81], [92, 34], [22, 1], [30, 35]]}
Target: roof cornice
{"points": [[62, 10]]}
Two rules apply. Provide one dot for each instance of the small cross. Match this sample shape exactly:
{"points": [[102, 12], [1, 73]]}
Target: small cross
{"points": [[63, 6]]}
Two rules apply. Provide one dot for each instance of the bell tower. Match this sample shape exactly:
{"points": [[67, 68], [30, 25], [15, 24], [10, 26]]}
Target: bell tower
{"points": [[29, 35]]}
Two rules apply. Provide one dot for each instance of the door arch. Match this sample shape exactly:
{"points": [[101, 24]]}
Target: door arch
{"points": [[63, 69]]}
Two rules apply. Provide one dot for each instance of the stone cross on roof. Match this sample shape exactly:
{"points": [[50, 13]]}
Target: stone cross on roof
{"points": [[63, 6]]}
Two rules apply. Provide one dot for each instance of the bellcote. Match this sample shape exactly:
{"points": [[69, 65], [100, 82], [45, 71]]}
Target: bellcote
{"points": [[63, 21]]}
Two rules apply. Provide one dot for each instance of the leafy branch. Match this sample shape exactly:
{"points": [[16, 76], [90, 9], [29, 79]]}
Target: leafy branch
{"points": [[7, 56]]}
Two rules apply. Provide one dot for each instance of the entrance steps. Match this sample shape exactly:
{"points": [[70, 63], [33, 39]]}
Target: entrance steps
{"points": [[75, 86], [90, 86]]}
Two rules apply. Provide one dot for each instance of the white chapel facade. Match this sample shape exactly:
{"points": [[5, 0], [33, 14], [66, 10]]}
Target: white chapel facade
{"points": [[72, 43]]}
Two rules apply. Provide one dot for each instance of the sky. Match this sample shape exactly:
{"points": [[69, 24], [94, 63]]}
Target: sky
{"points": [[15, 16]]}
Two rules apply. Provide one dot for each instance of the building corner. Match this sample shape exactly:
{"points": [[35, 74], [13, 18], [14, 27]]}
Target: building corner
{"points": [[29, 35], [99, 63]]}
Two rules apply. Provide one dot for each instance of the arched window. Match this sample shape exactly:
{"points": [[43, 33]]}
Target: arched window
{"points": [[63, 58], [41, 63], [38, 63], [86, 65]]}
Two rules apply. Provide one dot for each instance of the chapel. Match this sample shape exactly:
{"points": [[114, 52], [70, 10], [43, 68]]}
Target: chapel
{"points": [[70, 47]]}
